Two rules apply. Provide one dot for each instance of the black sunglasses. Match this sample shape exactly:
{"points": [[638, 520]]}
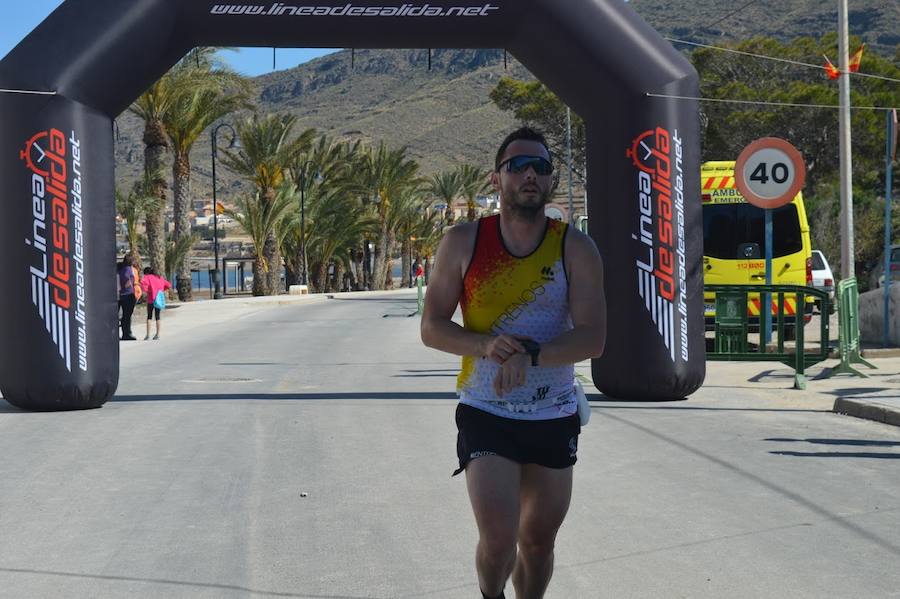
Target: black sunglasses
{"points": [[520, 164]]}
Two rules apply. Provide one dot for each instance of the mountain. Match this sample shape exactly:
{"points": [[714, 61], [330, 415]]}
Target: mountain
{"points": [[443, 115], [714, 21]]}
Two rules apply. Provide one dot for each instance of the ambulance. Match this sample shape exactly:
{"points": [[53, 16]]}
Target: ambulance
{"points": [[734, 251]]}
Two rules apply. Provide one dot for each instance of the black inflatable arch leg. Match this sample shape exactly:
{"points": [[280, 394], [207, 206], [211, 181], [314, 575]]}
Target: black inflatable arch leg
{"points": [[59, 346]]}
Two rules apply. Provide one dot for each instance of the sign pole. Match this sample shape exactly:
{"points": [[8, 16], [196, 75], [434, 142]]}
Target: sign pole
{"points": [[769, 173], [766, 304], [888, 198]]}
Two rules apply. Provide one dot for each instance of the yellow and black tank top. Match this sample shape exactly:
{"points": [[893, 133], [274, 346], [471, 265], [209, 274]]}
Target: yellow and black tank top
{"points": [[526, 296]]}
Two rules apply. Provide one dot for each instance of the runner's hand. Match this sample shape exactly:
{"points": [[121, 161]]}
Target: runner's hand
{"points": [[500, 348], [512, 374]]}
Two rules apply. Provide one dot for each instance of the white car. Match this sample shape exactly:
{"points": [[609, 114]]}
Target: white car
{"points": [[876, 275], [822, 277]]}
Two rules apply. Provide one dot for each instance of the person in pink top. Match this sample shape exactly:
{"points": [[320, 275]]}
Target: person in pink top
{"points": [[152, 284]]}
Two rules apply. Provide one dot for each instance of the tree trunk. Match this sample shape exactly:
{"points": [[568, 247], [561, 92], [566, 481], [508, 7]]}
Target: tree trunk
{"points": [[357, 273], [273, 258], [156, 146], [293, 270], [181, 192], [428, 264], [260, 278], [291, 274], [405, 266], [339, 272], [321, 276], [382, 257], [312, 277], [388, 274]]}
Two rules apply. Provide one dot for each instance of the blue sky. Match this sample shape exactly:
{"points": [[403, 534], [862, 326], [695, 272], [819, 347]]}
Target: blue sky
{"points": [[19, 17]]}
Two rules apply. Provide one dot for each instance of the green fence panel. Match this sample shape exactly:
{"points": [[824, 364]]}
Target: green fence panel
{"points": [[848, 322], [420, 295], [731, 323], [732, 326]]}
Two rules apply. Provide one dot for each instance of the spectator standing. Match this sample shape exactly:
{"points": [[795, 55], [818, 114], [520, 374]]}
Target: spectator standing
{"points": [[152, 285], [126, 296]]}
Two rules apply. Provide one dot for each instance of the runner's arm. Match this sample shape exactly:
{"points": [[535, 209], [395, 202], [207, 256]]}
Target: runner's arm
{"points": [[445, 288], [587, 304]]}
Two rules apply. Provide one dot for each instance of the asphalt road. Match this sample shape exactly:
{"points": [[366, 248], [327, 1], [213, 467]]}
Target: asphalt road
{"points": [[305, 451]]}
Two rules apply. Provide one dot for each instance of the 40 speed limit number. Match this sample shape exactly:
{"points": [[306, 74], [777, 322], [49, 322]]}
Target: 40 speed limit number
{"points": [[769, 172]]}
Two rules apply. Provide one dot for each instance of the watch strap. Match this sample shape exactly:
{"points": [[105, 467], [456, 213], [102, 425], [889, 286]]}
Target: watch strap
{"points": [[533, 348]]}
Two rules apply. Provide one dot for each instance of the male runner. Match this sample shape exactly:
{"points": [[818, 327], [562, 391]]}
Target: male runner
{"points": [[531, 293]]}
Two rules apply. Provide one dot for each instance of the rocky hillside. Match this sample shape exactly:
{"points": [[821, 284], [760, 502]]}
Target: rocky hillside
{"points": [[443, 115], [711, 21]]}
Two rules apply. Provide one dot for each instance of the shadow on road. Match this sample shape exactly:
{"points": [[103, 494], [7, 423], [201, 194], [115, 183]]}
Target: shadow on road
{"points": [[284, 396], [838, 454], [848, 391], [177, 583], [856, 442]]}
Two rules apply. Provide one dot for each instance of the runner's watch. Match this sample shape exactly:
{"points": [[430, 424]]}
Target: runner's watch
{"points": [[532, 348]]}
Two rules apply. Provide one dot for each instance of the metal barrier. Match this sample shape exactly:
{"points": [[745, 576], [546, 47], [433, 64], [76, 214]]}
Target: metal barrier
{"points": [[732, 327], [420, 299], [848, 323]]}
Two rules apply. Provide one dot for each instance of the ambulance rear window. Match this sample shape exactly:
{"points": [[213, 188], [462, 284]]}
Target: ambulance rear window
{"points": [[729, 227]]}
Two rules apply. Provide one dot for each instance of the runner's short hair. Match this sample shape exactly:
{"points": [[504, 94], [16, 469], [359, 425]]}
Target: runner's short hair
{"points": [[525, 133]]}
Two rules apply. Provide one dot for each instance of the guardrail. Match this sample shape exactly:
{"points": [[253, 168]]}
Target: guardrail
{"points": [[848, 322], [732, 327]]}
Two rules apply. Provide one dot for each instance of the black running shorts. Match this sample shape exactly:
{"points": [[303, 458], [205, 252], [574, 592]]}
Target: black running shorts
{"points": [[550, 443]]}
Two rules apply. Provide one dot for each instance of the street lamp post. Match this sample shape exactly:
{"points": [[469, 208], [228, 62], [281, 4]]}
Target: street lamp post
{"points": [[217, 285]]}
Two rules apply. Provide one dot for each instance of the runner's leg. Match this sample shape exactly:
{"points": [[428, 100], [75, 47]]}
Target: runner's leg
{"points": [[493, 484], [545, 497]]}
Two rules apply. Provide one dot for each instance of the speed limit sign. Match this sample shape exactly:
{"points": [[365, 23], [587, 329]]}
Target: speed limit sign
{"points": [[769, 172]]}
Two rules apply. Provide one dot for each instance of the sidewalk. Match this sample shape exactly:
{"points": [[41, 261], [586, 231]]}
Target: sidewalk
{"points": [[875, 397]]}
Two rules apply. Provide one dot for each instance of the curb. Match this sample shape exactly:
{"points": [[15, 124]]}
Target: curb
{"points": [[867, 410], [880, 352], [871, 353]]}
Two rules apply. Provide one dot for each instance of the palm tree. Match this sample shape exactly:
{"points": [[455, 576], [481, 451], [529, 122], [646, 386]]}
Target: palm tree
{"points": [[406, 215], [325, 165], [384, 175], [133, 207], [151, 106], [338, 222], [260, 219], [187, 119], [445, 186], [266, 153], [473, 182], [176, 253], [428, 231]]}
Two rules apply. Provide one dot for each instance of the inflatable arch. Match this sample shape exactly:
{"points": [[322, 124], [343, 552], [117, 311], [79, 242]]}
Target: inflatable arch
{"points": [[84, 65]]}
